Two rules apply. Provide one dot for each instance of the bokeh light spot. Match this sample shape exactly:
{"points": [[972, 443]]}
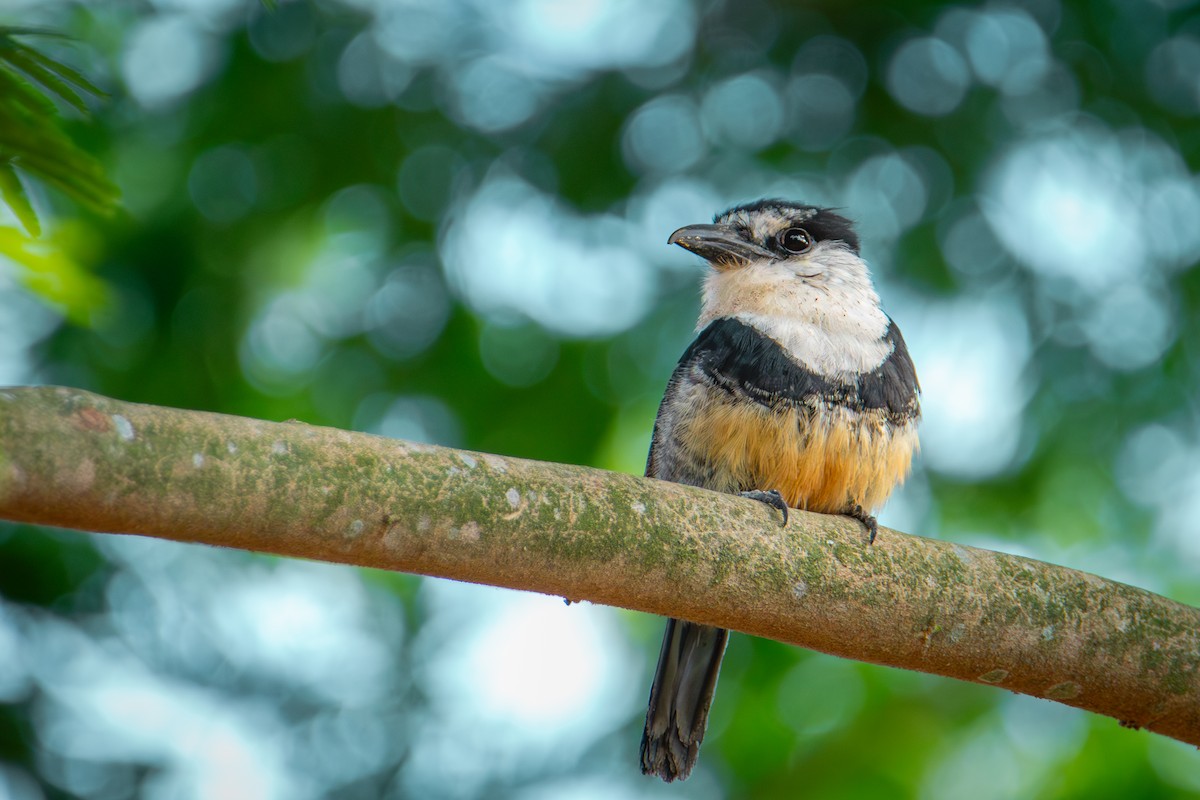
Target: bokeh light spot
{"points": [[517, 355], [17, 784], [968, 243], [527, 663], [744, 112], [1170, 211], [570, 37], [834, 56], [358, 221], [417, 33], [166, 57], [409, 310], [304, 623], [1173, 74], [492, 95], [887, 194], [1093, 214], [367, 76], [413, 418], [1149, 463], [223, 185], [1055, 210], [971, 357], [822, 110], [283, 33], [1007, 49], [663, 136], [513, 250], [1130, 327], [928, 76], [280, 347]]}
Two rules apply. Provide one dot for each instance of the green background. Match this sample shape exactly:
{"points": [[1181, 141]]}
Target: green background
{"points": [[447, 222]]}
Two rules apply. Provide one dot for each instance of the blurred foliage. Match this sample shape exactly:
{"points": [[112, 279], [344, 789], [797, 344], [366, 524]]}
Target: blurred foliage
{"points": [[51, 269], [30, 135], [32, 142], [447, 222]]}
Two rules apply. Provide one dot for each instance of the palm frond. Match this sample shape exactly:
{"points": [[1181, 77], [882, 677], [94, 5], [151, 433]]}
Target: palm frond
{"points": [[31, 138], [12, 191]]}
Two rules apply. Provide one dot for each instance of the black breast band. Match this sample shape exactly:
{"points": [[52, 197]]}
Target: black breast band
{"points": [[740, 359]]}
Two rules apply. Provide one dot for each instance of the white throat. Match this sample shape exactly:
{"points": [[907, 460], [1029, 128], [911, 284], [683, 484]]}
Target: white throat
{"points": [[822, 309]]}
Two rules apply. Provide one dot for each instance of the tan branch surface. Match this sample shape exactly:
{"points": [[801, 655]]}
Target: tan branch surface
{"points": [[74, 459]]}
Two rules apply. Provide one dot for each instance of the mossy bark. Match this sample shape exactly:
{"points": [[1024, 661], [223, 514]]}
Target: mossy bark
{"points": [[74, 459]]}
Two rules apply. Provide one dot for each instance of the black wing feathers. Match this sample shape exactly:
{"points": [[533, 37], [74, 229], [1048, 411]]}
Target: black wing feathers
{"points": [[893, 385]]}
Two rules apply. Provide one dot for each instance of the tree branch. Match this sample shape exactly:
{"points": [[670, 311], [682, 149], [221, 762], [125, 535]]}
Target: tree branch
{"points": [[74, 459]]}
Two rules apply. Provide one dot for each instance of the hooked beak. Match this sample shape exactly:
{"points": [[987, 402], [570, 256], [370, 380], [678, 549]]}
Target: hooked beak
{"points": [[721, 245]]}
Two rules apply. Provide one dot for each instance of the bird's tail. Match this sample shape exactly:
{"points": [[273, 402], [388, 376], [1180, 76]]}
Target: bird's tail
{"points": [[679, 698]]}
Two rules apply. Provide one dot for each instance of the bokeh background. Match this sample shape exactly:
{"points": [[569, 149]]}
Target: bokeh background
{"points": [[447, 222]]}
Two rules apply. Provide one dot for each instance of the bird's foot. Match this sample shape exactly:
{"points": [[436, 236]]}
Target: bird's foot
{"points": [[771, 497], [866, 519]]}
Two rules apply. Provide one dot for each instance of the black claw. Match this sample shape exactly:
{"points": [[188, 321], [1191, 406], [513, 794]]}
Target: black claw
{"points": [[866, 519], [771, 497]]}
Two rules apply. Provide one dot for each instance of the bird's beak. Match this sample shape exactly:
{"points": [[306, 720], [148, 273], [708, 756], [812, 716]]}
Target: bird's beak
{"points": [[721, 245]]}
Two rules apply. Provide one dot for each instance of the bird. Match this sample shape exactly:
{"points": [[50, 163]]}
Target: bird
{"points": [[798, 391]]}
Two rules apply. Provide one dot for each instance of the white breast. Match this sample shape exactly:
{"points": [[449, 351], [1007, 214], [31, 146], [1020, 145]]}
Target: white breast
{"points": [[822, 309]]}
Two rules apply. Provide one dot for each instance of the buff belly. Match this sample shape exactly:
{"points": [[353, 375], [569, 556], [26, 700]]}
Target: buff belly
{"points": [[820, 458]]}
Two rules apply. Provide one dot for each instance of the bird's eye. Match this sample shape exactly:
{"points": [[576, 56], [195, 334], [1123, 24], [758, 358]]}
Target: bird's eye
{"points": [[796, 241]]}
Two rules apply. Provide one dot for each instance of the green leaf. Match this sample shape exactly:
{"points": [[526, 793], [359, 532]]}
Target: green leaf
{"points": [[48, 270], [28, 30], [19, 57], [31, 140], [67, 73], [20, 96], [14, 194], [49, 155]]}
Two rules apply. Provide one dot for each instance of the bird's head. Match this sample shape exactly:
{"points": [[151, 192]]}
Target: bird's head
{"points": [[773, 232], [777, 263]]}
